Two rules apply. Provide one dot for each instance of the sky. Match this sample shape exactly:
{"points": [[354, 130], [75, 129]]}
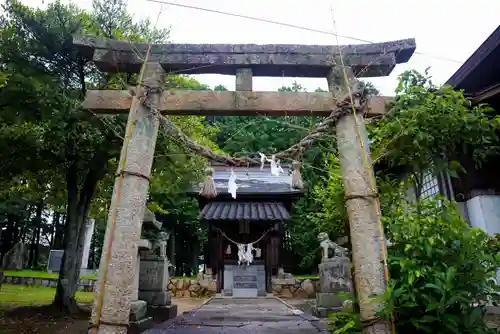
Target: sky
{"points": [[447, 32]]}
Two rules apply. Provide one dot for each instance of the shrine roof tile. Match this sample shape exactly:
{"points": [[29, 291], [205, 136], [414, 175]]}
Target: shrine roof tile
{"points": [[252, 211]]}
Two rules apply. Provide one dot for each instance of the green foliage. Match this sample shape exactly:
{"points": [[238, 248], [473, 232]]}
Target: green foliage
{"points": [[322, 210], [441, 269], [345, 323], [431, 126], [52, 148], [332, 215]]}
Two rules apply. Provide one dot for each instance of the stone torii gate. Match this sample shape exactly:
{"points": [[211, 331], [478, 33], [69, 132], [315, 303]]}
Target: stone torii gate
{"points": [[335, 63]]}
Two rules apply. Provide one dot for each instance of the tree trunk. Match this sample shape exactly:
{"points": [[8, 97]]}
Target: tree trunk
{"points": [[74, 235], [59, 236], [55, 227], [32, 247], [36, 256], [64, 297], [196, 257], [20, 230], [35, 237]]}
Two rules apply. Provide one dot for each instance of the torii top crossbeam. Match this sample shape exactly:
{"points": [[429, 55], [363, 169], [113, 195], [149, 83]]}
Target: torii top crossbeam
{"points": [[244, 61], [271, 60]]}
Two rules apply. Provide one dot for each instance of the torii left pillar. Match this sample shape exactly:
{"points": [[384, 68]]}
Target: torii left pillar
{"points": [[123, 229]]}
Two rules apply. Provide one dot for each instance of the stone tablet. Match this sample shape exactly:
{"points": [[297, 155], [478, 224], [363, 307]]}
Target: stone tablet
{"points": [[55, 260], [245, 281], [153, 275]]}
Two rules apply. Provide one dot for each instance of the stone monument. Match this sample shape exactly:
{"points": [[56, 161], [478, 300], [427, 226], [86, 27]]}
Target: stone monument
{"points": [[16, 257], [89, 231], [334, 277], [154, 278]]}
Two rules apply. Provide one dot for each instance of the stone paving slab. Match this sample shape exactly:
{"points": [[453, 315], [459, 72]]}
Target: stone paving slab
{"points": [[239, 316]]}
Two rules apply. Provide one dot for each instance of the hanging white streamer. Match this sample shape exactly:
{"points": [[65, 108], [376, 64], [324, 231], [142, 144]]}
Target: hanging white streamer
{"points": [[263, 160], [231, 184], [241, 253], [276, 169], [248, 254], [245, 255], [275, 166]]}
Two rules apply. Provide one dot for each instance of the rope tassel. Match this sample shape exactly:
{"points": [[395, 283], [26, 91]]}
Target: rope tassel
{"points": [[208, 190], [297, 182]]}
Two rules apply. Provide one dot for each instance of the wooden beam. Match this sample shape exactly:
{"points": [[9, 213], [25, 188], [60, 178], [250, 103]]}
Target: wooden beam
{"points": [[486, 93], [210, 103]]}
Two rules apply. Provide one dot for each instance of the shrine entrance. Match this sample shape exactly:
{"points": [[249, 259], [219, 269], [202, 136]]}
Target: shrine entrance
{"points": [[253, 224], [343, 108]]}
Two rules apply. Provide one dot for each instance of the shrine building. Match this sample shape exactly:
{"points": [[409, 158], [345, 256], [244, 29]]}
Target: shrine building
{"points": [[257, 217]]}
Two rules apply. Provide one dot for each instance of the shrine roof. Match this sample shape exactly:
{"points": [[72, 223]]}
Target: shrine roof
{"points": [[251, 181], [481, 69], [252, 211]]}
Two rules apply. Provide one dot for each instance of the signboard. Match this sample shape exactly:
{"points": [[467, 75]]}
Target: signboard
{"points": [[55, 260]]}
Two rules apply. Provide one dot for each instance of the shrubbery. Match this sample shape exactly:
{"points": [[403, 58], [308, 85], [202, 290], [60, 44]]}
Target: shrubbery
{"points": [[442, 272], [441, 269]]}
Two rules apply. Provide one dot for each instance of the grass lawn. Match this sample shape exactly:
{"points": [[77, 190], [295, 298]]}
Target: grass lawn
{"points": [[305, 276], [44, 274], [20, 295], [38, 274]]}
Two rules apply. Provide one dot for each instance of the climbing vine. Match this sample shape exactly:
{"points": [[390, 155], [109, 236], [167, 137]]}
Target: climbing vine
{"points": [[431, 126]]}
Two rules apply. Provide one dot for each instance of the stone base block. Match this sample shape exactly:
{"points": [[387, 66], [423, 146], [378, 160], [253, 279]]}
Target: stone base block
{"points": [[155, 297], [138, 310], [162, 313], [328, 300], [323, 312], [139, 326]]}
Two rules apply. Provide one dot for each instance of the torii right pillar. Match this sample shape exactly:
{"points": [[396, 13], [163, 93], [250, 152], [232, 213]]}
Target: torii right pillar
{"points": [[362, 206]]}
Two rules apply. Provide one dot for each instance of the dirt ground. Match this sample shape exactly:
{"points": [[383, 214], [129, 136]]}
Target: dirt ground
{"points": [[47, 320]]}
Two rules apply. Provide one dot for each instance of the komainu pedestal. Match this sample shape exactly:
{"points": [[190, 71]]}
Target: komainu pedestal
{"points": [[153, 287], [335, 278]]}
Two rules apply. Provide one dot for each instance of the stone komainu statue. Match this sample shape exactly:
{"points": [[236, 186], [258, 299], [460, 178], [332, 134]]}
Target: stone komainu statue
{"points": [[160, 245], [325, 243]]}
